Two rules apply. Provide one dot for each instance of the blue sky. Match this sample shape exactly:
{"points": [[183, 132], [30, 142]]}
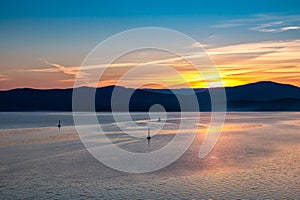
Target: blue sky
{"points": [[65, 31], [86, 9]]}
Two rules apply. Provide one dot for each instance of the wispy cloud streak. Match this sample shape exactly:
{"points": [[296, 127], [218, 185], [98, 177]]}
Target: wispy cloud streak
{"points": [[237, 64], [267, 23], [3, 77], [249, 62]]}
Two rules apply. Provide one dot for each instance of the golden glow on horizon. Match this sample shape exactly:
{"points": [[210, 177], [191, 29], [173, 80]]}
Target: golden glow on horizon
{"points": [[239, 64]]}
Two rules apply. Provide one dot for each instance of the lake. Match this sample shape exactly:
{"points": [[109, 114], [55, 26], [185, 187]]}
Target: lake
{"points": [[256, 157]]}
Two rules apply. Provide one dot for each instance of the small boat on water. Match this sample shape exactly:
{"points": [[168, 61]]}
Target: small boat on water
{"points": [[59, 124], [148, 137]]}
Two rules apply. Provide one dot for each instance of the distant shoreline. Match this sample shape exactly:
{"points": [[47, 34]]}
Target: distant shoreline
{"points": [[263, 96]]}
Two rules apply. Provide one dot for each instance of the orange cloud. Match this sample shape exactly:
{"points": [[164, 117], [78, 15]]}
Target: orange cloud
{"points": [[236, 64], [259, 61]]}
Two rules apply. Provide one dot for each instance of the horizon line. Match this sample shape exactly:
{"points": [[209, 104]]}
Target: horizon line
{"points": [[19, 88]]}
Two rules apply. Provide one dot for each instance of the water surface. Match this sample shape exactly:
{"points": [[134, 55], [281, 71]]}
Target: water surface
{"points": [[256, 157]]}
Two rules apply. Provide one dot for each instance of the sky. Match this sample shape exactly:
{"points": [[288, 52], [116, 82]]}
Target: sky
{"points": [[44, 43]]}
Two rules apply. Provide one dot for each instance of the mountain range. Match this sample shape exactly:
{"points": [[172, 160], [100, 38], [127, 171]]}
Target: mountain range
{"points": [[259, 96]]}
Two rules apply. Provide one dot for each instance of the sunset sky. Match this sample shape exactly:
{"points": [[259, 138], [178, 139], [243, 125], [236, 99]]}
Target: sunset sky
{"points": [[43, 43]]}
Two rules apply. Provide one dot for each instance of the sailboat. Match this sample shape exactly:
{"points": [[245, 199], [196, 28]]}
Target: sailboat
{"points": [[59, 125], [148, 137]]}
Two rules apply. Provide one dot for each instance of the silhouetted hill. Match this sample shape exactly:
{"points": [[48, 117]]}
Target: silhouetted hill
{"points": [[262, 91], [260, 96]]}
